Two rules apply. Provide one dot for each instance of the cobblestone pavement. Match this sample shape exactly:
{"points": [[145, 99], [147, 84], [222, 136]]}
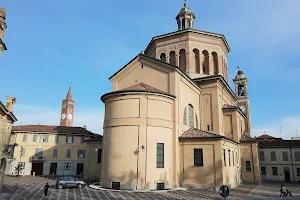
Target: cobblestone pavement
{"points": [[31, 188]]}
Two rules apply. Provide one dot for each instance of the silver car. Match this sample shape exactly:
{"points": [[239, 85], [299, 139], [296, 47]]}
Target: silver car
{"points": [[65, 182]]}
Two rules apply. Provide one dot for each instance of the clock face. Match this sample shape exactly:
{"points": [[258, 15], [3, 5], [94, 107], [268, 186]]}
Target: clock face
{"points": [[63, 116], [69, 117]]}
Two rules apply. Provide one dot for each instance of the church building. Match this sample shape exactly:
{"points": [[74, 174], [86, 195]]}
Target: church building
{"points": [[172, 119]]}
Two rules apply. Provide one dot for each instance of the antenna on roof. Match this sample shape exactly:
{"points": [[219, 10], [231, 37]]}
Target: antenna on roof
{"points": [[280, 132]]}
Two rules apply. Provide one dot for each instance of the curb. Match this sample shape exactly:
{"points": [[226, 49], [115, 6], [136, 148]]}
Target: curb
{"points": [[134, 191]]}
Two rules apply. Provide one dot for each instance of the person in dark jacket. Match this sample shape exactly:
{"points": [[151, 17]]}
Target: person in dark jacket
{"points": [[46, 187]]}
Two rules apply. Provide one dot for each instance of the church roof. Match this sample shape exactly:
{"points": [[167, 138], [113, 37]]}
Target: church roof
{"points": [[53, 129], [196, 133], [246, 138], [142, 87]]}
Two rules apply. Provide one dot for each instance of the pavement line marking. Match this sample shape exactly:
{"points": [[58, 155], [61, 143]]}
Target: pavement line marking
{"points": [[253, 189], [52, 189], [31, 190], [89, 193], [42, 181], [20, 181]]}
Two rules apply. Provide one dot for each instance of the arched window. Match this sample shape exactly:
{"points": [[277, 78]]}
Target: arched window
{"points": [[163, 57], [215, 62], [184, 116], [197, 60], [183, 23], [172, 58], [191, 115], [182, 60], [205, 63]]}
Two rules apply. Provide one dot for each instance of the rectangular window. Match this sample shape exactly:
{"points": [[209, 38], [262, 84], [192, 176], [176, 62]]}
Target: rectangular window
{"points": [[34, 138], [38, 152], [273, 156], [45, 138], [208, 127], [248, 166], [99, 155], [160, 155], [228, 157], [263, 171], [297, 156], [54, 152], [198, 157], [68, 154], [81, 153], [262, 156], [25, 138], [69, 139], [298, 171], [285, 156], [57, 139], [23, 152], [40, 138], [274, 170], [224, 156], [67, 166], [81, 139]]}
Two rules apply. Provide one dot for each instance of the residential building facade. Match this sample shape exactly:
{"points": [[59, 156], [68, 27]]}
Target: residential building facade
{"points": [[47, 150], [279, 159], [182, 123]]}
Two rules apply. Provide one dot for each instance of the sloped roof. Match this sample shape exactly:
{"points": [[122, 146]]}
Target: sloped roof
{"points": [[196, 133], [264, 137], [278, 143], [95, 139], [142, 87], [246, 138], [69, 94], [53, 129]]}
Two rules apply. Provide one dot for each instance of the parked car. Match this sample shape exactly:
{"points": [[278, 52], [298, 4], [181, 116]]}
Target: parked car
{"points": [[65, 182]]}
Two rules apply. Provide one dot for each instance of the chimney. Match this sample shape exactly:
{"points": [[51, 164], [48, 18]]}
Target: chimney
{"points": [[10, 102], [85, 127]]}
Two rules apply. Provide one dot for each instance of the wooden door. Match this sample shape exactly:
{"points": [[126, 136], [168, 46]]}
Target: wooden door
{"points": [[53, 168], [79, 168]]}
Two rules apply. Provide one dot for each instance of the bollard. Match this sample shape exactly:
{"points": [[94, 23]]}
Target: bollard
{"points": [[33, 174]]}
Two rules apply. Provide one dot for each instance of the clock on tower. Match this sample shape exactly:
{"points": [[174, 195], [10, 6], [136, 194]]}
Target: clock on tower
{"points": [[67, 110]]}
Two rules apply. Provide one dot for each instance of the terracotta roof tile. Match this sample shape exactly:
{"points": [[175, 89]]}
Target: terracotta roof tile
{"points": [[246, 138], [279, 143], [95, 139], [264, 137], [196, 133], [53, 129], [142, 87]]}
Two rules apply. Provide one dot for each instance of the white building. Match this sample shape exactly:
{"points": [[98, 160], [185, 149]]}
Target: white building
{"points": [[279, 159]]}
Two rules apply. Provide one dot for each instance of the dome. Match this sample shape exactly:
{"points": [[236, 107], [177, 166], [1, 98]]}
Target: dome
{"points": [[186, 10], [240, 75]]}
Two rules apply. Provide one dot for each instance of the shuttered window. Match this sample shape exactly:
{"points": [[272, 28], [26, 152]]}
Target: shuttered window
{"points": [[198, 157], [160, 155], [68, 153], [54, 152], [25, 138]]}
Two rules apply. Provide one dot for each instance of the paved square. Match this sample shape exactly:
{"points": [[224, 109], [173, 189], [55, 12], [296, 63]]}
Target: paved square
{"points": [[31, 188]]}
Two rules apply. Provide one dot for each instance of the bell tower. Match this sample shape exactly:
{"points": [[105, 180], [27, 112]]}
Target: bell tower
{"points": [[185, 19], [67, 110], [243, 102], [3, 27]]}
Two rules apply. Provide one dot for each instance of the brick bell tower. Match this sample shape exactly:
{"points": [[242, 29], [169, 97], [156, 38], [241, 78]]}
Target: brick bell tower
{"points": [[3, 27], [67, 110]]}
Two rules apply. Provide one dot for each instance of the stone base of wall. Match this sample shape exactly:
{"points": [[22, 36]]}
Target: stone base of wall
{"points": [[201, 186]]}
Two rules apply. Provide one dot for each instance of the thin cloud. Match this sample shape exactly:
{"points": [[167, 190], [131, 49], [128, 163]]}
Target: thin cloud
{"points": [[28, 114], [288, 125]]}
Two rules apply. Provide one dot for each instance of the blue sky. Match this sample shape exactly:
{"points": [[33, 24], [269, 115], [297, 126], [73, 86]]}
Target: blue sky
{"points": [[54, 43]]}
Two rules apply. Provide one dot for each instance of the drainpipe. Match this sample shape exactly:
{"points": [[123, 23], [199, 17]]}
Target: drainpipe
{"points": [[214, 157], [252, 162], [292, 163], [182, 164], [146, 137], [137, 161]]}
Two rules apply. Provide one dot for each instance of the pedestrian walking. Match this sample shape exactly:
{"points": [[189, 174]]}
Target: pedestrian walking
{"points": [[46, 187]]}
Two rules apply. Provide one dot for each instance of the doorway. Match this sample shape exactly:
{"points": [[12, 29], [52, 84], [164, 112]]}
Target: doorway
{"points": [[53, 168], [287, 176], [79, 168], [37, 168]]}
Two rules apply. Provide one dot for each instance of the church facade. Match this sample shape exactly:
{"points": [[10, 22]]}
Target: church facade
{"points": [[172, 119]]}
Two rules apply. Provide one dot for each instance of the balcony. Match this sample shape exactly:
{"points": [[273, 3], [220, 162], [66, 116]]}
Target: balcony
{"points": [[37, 159]]}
